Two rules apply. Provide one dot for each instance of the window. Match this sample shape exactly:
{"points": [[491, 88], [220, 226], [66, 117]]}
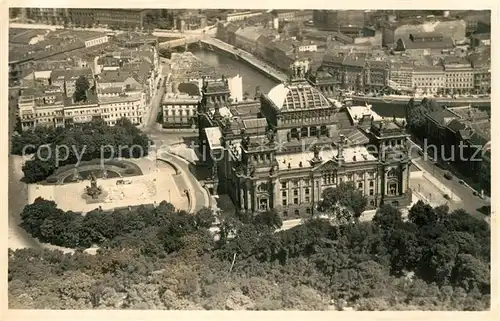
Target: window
{"points": [[360, 185], [308, 210], [297, 213], [371, 183], [283, 203], [283, 193], [372, 203], [307, 191], [392, 188], [285, 213], [296, 201], [307, 199], [283, 185], [295, 192], [371, 191], [263, 204]]}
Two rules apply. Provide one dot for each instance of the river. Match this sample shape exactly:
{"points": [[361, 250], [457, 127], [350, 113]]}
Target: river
{"points": [[253, 78]]}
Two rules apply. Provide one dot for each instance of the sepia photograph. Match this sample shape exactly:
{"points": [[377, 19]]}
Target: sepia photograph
{"points": [[249, 159]]}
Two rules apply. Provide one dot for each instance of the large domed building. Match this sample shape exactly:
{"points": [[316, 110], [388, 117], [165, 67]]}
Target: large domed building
{"points": [[297, 145]]}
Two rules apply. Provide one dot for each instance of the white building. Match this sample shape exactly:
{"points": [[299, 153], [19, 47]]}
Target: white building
{"points": [[236, 88], [115, 103], [179, 110]]}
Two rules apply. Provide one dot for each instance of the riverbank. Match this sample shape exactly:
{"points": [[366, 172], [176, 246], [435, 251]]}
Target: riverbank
{"points": [[403, 100], [247, 58]]}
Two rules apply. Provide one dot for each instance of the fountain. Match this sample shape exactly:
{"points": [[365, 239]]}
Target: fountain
{"points": [[93, 190]]}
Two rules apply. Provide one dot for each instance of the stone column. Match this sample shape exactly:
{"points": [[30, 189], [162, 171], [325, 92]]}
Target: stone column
{"points": [[249, 196], [242, 198], [274, 193], [254, 197]]}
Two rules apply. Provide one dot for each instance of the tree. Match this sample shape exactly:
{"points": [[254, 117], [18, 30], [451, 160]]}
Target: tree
{"points": [[344, 201], [204, 218], [82, 85], [471, 273], [422, 214], [159, 257], [269, 218], [387, 217], [33, 215], [416, 120]]}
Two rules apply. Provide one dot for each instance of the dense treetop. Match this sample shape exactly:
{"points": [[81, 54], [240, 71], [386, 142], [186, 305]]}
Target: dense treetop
{"points": [[91, 140], [162, 258]]}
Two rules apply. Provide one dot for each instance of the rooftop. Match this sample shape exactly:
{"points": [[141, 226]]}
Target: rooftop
{"points": [[303, 160], [214, 136], [252, 33], [446, 43], [442, 116], [297, 96], [173, 98], [469, 113], [357, 113]]}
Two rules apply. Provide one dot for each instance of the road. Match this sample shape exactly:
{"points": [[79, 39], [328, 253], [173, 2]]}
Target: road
{"points": [[469, 202], [18, 198], [198, 194], [151, 113]]}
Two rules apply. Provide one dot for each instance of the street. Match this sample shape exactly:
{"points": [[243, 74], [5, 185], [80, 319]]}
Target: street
{"points": [[198, 194], [468, 202], [151, 113]]}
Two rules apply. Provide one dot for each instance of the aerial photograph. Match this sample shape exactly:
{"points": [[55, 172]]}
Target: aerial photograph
{"points": [[222, 159]]}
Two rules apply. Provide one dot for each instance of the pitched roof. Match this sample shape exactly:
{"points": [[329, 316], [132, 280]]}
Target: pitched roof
{"points": [[446, 43]]}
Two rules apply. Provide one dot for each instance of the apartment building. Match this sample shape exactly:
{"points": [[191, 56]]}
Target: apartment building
{"points": [[242, 15], [349, 22], [66, 79], [82, 111], [376, 74], [459, 76], [116, 103], [113, 18], [47, 15], [42, 106], [179, 110], [401, 76], [428, 79]]}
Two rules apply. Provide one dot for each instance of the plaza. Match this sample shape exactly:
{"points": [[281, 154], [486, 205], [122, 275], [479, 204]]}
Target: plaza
{"points": [[156, 185]]}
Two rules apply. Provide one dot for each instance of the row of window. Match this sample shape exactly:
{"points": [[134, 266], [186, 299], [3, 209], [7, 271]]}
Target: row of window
{"points": [[129, 108], [307, 198], [190, 112], [307, 182]]}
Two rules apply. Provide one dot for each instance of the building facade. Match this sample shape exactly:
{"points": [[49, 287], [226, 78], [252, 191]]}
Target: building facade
{"points": [[41, 107], [116, 103], [376, 75], [401, 76], [349, 22], [464, 134], [47, 15], [300, 146], [459, 77], [179, 110], [429, 79], [113, 18]]}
